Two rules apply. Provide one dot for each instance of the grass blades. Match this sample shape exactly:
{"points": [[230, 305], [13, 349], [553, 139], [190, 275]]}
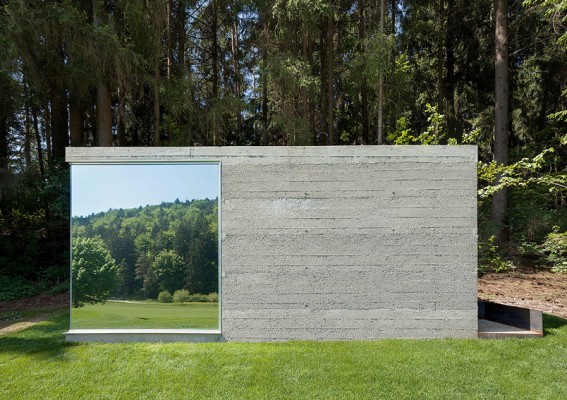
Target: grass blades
{"points": [[146, 314], [37, 364]]}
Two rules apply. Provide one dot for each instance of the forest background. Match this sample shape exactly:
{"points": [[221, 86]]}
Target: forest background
{"points": [[283, 72]]}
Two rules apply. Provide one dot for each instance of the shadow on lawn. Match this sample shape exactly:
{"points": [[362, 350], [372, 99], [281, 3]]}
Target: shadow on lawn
{"points": [[44, 339], [552, 323]]}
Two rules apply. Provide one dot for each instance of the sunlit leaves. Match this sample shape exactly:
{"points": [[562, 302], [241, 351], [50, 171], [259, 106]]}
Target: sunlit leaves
{"points": [[95, 274], [527, 171]]}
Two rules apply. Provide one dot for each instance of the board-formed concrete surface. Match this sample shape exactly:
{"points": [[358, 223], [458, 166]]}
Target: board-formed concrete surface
{"points": [[341, 242]]}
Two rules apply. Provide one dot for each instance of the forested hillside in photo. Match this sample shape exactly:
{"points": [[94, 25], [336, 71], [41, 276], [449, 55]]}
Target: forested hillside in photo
{"points": [[170, 246], [278, 72]]}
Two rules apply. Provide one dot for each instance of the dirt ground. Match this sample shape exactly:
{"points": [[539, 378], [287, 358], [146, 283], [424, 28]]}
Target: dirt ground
{"points": [[543, 291], [35, 303], [537, 290], [43, 307]]}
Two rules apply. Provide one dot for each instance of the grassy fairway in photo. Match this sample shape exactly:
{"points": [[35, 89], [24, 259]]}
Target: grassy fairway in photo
{"points": [[146, 315]]}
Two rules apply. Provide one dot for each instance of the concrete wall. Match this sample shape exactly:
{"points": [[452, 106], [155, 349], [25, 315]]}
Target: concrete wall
{"points": [[343, 242]]}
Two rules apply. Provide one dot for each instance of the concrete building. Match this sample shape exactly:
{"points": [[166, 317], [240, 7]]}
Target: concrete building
{"points": [[334, 243]]}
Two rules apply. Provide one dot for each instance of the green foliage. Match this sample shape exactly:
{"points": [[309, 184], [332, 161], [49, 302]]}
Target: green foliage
{"points": [[94, 272], [290, 79], [14, 288], [146, 274], [263, 83], [433, 134], [489, 258], [11, 316], [34, 230], [374, 59], [169, 268], [521, 174], [213, 297], [557, 11], [204, 298], [181, 296], [554, 249], [169, 246], [165, 297]]}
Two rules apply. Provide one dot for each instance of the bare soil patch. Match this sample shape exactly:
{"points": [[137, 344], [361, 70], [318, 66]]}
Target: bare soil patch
{"points": [[539, 290], [35, 303]]}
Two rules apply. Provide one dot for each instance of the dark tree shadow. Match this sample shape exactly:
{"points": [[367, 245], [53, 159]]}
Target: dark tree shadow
{"points": [[551, 323], [44, 339]]}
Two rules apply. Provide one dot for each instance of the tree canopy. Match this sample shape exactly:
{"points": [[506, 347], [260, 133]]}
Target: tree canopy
{"points": [[279, 72], [166, 247]]}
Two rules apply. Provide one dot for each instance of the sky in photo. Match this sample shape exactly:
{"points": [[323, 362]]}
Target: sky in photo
{"points": [[96, 188]]}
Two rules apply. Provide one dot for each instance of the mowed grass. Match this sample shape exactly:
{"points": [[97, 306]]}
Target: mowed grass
{"points": [[37, 364], [146, 314]]}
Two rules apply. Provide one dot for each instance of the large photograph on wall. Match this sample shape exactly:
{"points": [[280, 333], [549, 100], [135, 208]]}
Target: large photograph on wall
{"points": [[145, 246]]}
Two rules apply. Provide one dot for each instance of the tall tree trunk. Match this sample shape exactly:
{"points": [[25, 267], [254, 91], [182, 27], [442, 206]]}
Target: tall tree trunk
{"points": [[59, 124], [121, 123], [330, 50], [103, 115], [380, 128], [5, 111], [501, 108], [324, 79], [363, 84], [215, 65], [449, 86], [168, 27], [440, 57], [264, 82], [27, 132], [40, 160], [181, 19], [394, 4], [4, 149], [264, 14], [103, 100], [157, 113], [76, 114], [77, 122], [236, 69], [305, 57], [47, 131], [38, 141]]}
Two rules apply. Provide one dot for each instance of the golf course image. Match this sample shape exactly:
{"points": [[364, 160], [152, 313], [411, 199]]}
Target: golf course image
{"points": [[148, 314]]}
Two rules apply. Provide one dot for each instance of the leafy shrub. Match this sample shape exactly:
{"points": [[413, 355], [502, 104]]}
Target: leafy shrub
{"points": [[16, 288], [554, 250], [198, 297], [58, 288], [204, 298], [11, 316], [165, 297], [213, 297], [181, 296], [490, 259]]}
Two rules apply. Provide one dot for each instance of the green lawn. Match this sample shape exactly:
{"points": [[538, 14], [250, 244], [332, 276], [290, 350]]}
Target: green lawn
{"points": [[146, 314], [37, 364]]}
